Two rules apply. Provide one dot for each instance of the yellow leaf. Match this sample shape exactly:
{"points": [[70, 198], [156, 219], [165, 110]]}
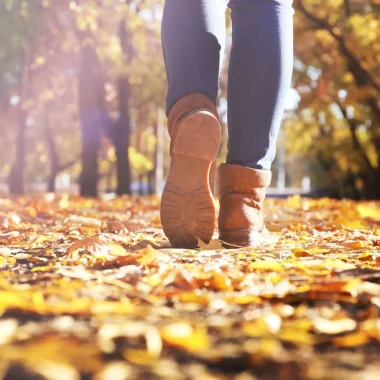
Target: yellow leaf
{"points": [[338, 264], [244, 299], [220, 281], [213, 245], [183, 336], [296, 336], [139, 357], [153, 280], [192, 297], [270, 266], [368, 211], [352, 340], [316, 250], [106, 307], [43, 269], [149, 255], [3, 261], [117, 250]]}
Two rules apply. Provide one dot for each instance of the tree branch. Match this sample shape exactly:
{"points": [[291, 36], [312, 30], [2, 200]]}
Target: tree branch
{"points": [[347, 7], [355, 141], [361, 75]]}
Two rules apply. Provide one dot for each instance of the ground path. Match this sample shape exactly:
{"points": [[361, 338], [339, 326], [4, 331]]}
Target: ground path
{"points": [[91, 290]]}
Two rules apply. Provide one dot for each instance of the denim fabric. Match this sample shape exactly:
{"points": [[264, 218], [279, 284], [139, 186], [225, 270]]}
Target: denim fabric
{"points": [[260, 68]]}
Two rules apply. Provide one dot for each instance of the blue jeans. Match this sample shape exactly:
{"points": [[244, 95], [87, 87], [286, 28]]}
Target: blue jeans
{"points": [[260, 68]]}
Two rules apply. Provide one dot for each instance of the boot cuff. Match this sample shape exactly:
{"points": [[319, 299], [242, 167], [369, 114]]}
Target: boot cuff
{"points": [[244, 180]]}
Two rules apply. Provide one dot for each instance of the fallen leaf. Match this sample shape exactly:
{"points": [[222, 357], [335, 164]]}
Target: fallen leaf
{"points": [[326, 326], [213, 245], [148, 255], [83, 221], [352, 340], [183, 336], [97, 246], [268, 266]]}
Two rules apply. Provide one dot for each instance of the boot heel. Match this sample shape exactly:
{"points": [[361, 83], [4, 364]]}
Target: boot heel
{"points": [[198, 136]]}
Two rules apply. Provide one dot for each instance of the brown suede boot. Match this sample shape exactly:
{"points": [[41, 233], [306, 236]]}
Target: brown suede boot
{"points": [[242, 192], [187, 205]]}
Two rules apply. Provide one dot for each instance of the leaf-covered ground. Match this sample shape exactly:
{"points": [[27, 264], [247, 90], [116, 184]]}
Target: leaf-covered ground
{"points": [[90, 289]]}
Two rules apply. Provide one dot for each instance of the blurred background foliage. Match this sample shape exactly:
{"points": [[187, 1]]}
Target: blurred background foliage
{"points": [[82, 98]]}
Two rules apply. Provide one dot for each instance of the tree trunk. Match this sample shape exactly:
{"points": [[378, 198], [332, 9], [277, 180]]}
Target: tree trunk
{"points": [[90, 174], [93, 114], [16, 176], [159, 156], [151, 182], [123, 170], [54, 159], [121, 129], [372, 185]]}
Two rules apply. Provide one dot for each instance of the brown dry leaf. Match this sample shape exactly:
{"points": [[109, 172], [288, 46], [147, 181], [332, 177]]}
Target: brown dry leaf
{"points": [[9, 237], [354, 244], [97, 246]]}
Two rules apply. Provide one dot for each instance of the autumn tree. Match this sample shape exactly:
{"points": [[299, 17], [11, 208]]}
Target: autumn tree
{"points": [[80, 56], [337, 124], [19, 21]]}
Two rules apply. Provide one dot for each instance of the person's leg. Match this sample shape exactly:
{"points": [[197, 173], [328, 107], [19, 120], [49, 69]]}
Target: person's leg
{"points": [[193, 39], [193, 34], [259, 78]]}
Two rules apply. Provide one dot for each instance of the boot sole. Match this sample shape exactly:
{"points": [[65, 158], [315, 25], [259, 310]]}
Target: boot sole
{"points": [[187, 205]]}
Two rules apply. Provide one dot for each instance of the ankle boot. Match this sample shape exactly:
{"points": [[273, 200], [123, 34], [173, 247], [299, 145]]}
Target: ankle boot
{"points": [[242, 192], [187, 205]]}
